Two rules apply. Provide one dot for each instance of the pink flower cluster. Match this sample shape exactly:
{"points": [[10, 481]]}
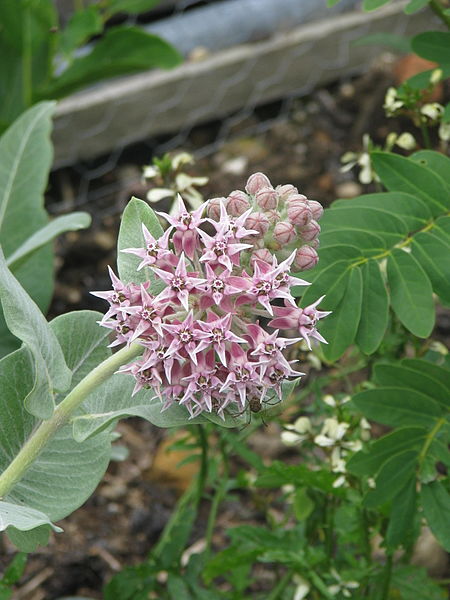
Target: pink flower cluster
{"points": [[202, 348]]}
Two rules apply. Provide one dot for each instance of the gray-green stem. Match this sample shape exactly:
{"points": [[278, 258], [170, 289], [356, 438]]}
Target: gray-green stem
{"points": [[47, 429]]}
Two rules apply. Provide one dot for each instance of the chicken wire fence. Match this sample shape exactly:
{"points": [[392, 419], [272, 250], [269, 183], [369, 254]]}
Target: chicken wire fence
{"points": [[239, 83]]}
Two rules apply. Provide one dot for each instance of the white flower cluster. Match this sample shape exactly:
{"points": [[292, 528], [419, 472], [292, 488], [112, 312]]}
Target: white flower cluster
{"points": [[330, 438]]}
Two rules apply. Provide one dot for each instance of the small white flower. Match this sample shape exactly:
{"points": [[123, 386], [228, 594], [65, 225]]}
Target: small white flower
{"points": [[323, 441], [436, 76], [366, 173], [433, 110], [181, 159], [302, 589], [406, 141], [157, 194], [371, 483], [150, 171], [333, 429], [353, 445], [297, 432], [342, 586], [329, 400], [391, 102], [302, 425], [444, 132], [339, 482], [337, 462], [439, 347]]}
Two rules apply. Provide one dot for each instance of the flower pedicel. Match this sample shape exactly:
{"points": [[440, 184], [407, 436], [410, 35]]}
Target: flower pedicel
{"points": [[202, 348]]}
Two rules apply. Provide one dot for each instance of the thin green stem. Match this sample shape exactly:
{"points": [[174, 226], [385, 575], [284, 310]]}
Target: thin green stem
{"points": [[218, 496], [365, 531], [47, 429], [386, 584], [281, 586], [429, 439], [329, 530], [425, 135], [438, 9], [203, 474]]}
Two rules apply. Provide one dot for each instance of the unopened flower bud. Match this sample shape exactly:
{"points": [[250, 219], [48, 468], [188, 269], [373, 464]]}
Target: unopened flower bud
{"points": [[263, 255], [284, 232], [315, 243], [273, 216], [299, 212], [237, 203], [256, 182], [406, 141], [306, 258], [285, 191], [293, 198], [310, 231], [213, 209], [316, 209], [257, 221], [267, 198]]}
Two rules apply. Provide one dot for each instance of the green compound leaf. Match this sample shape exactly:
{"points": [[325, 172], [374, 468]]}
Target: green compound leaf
{"points": [[413, 582], [441, 229], [367, 243], [436, 162], [27, 323], [432, 45], [432, 253], [411, 293], [392, 477], [340, 328], [390, 228], [400, 528], [435, 501], [398, 407], [29, 541], [411, 210], [374, 309], [435, 372], [401, 174], [15, 569], [136, 213], [411, 379], [330, 282], [369, 462]]}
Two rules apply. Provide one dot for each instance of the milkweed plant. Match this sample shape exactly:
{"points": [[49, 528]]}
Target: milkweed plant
{"points": [[216, 310]]}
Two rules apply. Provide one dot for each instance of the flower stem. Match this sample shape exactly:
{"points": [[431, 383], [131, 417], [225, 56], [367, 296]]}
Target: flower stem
{"points": [[425, 135], [218, 497], [203, 474], [47, 429], [386, 578], [281, 586]]}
